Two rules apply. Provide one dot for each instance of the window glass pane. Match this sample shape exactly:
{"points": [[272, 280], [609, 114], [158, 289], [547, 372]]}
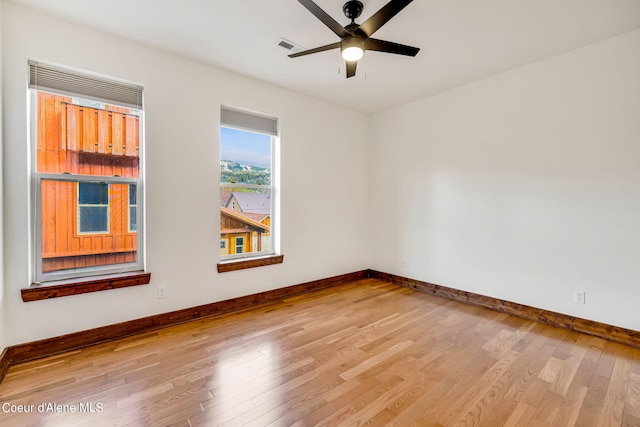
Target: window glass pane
{"points": [[78, 236], [84, 137], [133, 218], [245, 157], [90, 193], [93, 213], [94, 219], [132, 194], [245, 193], [245, 214], [133, 208]]}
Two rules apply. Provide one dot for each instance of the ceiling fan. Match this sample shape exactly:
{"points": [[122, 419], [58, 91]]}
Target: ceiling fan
{"points": [[354, 38]]}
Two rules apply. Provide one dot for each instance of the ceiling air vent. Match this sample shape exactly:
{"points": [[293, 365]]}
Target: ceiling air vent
{"points": [[290, 46], [285, 44]]}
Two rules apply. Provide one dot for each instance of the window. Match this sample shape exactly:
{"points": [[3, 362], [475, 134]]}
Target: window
{"points": [[247, 191], [133, 208], [93, 207], [87, 177], [239, 245]]}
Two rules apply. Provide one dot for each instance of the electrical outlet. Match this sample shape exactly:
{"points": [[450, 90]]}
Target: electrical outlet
{"points": [[578, 296], [162, 292]]}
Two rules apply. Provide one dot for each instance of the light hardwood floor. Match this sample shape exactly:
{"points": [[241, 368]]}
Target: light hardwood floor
{"points": [[365, 353]]}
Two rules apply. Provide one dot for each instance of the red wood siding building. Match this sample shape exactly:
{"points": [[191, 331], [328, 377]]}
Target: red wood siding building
{"points": [[83, 140]]}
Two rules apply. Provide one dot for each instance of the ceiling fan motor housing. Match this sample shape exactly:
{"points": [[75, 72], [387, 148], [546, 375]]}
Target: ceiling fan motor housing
{"points": [[352, 9]]}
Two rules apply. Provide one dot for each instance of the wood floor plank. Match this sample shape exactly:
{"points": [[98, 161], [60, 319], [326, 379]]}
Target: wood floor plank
{"points": [[632, 398], [613, 406], [520, 416], [570, 406], [598, 387], [547, 410], [361, 353], [521, 374]]}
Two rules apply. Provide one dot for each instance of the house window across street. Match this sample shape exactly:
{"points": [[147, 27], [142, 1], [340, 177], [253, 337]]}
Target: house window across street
{"points": [[239, 245], [93, 207]]}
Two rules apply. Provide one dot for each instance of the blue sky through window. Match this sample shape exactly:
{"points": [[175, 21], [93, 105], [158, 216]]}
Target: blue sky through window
{"points": [[245, 147]]}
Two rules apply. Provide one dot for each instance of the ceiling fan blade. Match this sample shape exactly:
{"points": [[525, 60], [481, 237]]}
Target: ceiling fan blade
{"points": [[382, 16], [325, 18], [351, 68], [390, 47], [315, 50]]}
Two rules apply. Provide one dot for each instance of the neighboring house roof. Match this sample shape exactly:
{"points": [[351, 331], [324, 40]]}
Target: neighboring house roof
{"points": [[225, 196], [252, 202], [243, 219], [256, 216]]}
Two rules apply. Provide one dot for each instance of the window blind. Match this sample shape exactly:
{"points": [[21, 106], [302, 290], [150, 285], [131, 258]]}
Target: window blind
{"points": [[71, 82], [248, 121]]}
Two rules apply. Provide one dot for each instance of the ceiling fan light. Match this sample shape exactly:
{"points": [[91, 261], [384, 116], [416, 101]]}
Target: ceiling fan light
{"points": [[352, 53], [352, 48]]}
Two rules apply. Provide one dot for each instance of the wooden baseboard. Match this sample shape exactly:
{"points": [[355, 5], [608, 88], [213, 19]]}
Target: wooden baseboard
{"points": [[48, 347], [612, 333], [4, 363]]}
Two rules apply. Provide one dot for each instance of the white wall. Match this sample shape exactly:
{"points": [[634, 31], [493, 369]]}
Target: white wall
{"points": [[324, 179], [523, 186]]}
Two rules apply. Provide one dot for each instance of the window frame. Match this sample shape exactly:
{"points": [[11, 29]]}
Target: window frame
{"points": [[76, 275], [41, 277], [273, 133]]}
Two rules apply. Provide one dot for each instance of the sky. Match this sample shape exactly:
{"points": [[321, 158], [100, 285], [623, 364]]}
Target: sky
{"points": [[245, 147]]}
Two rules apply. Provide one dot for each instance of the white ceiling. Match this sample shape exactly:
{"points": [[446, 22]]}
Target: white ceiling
{"points": [[460, 40]]}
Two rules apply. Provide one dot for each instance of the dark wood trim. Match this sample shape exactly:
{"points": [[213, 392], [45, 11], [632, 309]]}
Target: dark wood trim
{"points": [[84, 286], [241, 264], [612, 333], [4, 363], [48, 347]]}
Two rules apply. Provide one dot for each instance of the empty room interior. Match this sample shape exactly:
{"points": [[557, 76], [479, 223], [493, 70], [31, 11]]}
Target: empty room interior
{"points": [[212, 215]]}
